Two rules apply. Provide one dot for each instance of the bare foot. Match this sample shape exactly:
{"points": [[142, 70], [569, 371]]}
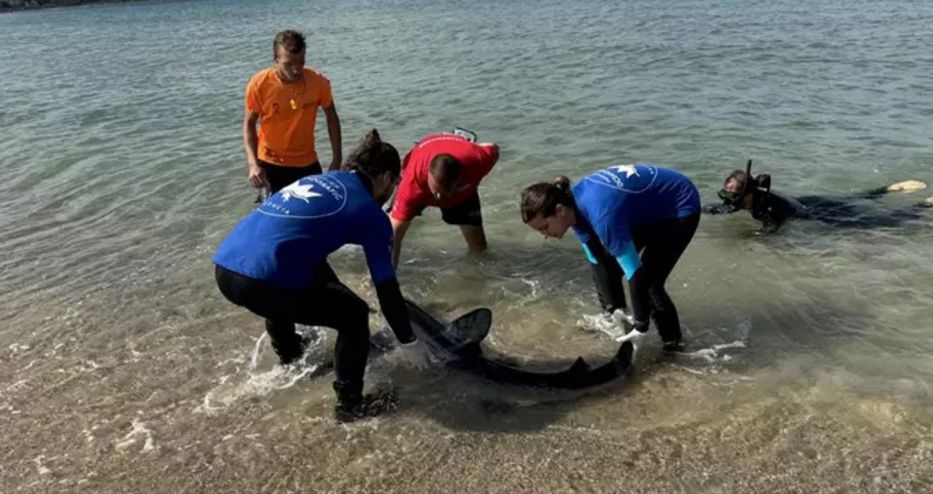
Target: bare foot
{"points": [[907, 186]]}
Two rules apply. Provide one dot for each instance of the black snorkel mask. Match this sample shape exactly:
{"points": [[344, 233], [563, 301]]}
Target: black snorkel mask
{"points": [[734, 199]]}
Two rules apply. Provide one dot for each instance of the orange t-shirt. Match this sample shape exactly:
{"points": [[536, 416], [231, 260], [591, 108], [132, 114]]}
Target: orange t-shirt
{"points": [[287, 115]]}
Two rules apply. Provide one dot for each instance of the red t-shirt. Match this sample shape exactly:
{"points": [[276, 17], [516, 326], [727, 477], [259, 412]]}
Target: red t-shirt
{"points": [[413, 193]]}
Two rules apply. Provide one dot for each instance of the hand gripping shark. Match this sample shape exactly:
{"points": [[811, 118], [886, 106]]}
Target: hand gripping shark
{"points": [[458, 343]]}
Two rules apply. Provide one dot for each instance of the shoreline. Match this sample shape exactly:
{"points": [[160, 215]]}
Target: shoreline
{"points": [[10, 6]]}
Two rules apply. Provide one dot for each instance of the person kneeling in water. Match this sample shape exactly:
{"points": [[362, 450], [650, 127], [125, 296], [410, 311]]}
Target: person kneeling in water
{"points": [[274, 263], [742, 191], [617, 213]]}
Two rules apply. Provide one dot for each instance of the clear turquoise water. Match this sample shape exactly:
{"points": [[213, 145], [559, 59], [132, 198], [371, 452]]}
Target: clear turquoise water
{"points": [[123, 168]]}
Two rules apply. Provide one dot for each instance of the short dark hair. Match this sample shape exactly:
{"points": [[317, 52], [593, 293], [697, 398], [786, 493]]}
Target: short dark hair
{"points": [[291, 40], [374, 157], [446, 169], [543, 198]]}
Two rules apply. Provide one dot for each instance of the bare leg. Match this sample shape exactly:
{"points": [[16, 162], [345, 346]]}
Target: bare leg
{"points": [[907, 186], [903, 186], [475, 237]]}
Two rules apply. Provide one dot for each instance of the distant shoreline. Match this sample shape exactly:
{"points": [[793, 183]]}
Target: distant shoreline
{"points": [[7, 6]]}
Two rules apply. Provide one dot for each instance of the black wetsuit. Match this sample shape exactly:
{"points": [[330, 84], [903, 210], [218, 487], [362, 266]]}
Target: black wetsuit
{"points": [[772, 209], [326, 302], [274, 263]]}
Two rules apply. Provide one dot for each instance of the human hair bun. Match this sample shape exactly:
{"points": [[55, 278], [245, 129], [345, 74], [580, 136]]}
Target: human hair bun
{"points": [[372, 138], [561, 182]]}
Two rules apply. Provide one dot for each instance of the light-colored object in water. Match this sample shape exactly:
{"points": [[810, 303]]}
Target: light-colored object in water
{"points": [[928, 202], [634, 336], [623, 319], [907, 186]]}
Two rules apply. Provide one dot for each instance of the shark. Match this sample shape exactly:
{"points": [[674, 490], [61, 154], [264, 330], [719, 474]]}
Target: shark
{"points": [[458, 343]]}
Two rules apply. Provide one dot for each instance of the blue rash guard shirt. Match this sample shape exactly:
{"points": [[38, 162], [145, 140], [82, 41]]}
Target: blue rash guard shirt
{"points": [[614, 202], [284, 240]]}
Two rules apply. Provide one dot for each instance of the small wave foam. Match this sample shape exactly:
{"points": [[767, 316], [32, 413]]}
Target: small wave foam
{"points": [[715, 353], [139, 429], [620, 323], [255, 382], [615, 325]]}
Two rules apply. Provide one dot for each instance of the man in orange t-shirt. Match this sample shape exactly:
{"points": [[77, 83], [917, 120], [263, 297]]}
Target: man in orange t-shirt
{"points": [[283, 101], [444, 171]]}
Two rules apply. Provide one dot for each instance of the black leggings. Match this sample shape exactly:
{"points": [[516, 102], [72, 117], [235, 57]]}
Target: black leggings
{"points": [[282, 176], [327, 302], [848, 213], [661, 245]]}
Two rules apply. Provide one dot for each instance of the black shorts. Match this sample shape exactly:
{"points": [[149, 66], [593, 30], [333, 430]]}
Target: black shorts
{"points": [[467, 213], [325, 302], [282, 176]]}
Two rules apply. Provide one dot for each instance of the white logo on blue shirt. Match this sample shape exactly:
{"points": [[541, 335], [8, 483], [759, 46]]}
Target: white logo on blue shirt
{"points": [[299, 191], [295, 201], [626, 178], [628, 169]]}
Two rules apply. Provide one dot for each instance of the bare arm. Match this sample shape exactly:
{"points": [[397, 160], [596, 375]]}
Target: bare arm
{"points": [[250, 144], [333, 132], [398, 233]]}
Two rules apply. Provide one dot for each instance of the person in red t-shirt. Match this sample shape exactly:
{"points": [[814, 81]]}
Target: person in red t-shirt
{"points": [[443, 170]]}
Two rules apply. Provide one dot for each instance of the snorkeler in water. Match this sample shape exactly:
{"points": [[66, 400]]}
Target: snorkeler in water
{"points": [[742, 191]]}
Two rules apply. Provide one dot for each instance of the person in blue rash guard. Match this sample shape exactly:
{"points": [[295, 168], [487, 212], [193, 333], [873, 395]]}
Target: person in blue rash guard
{"points": [[617, 213], [274, 263]]}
